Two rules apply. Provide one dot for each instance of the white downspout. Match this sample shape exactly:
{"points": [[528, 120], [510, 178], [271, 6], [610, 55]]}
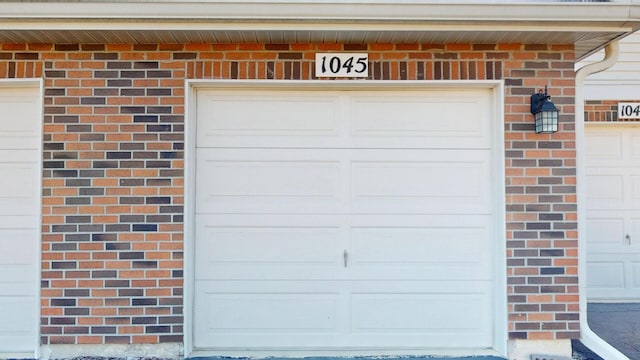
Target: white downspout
{"points": [[588, 337]]}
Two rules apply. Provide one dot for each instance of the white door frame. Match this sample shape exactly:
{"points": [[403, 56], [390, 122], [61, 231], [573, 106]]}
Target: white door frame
{"points": [[500, 331], [33, 83]]}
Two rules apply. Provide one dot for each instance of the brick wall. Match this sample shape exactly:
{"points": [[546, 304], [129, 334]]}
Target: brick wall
{"points": [[604, 111], [113, 174]]}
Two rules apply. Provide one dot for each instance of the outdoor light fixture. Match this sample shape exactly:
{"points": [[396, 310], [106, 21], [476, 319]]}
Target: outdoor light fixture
{"points": [[545, 113]]}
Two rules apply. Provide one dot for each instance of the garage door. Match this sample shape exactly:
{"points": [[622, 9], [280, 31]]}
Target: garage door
{"points": [[344, 220], [613, 216], [20, 157]]}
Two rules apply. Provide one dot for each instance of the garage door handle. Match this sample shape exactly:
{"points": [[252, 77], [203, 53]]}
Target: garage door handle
{"points": [[628, 237], [345, 256]]}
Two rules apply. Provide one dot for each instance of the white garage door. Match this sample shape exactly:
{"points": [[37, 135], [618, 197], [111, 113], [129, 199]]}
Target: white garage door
{"points": [[613, 212], [344, 220], [20, 157]]}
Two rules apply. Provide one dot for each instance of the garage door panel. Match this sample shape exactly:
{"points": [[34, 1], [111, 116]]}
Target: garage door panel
{"points": [[312, 247], [605, 274], [367, 119], [18, 284], [18, 280], [247, 180], [16, 313], [286, 314], [18, 268], [18, 183], [277, 312], [604, 148], [433, 187], [274, 314], [432, 120], [423, 313], [635, 229], [428, 312], [606, 231], [635, 271], [605, 191], [417, 247], [19, 223], [20, 123], [342, 181], [272, 179], [613, 189], [269, 252], [634, 144], [634, 191], [424, 251], [613, 275], [12, 310], [263, 120], [254, 244]]}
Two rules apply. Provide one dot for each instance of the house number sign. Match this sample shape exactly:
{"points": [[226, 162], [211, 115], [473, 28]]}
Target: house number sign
{"points": [[628, 110], [342, 65]]}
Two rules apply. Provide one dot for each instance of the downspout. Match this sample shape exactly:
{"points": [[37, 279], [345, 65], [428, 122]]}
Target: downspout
{"points": [[588, 337]]}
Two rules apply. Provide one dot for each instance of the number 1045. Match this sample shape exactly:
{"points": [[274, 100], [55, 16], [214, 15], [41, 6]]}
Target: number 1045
{"points": [[342, 65]]}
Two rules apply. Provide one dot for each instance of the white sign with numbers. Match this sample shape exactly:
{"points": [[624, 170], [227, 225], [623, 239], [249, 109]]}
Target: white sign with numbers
{"points": [[628, 110], [342, 65]]}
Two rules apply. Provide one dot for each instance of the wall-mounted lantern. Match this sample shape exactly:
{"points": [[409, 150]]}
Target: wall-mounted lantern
{"points": [[545, 112]]}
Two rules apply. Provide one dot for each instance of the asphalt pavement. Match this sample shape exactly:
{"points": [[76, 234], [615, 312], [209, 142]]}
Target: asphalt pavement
{"points": [[617, 324]]}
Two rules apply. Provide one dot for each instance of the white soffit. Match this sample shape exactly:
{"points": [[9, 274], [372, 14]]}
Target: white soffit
{"points": [[588, 25]]}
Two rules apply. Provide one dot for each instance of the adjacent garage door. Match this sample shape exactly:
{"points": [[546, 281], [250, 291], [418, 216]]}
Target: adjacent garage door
{"points": [[344, 220], [613, 212], [20, 157]]}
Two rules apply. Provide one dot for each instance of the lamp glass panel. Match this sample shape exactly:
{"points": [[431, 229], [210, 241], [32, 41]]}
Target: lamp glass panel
{"points": [[546, 121]]}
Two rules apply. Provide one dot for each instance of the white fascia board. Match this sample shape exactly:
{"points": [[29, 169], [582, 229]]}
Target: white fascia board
{"points": [[197, 25], [300, 10]]}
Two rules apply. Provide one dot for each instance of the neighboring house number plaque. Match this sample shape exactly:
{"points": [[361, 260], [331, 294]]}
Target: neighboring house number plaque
{"points": [[628, 110], [342, 65]]}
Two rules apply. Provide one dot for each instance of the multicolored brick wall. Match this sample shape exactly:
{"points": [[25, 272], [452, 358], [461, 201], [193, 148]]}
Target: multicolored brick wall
{"points": [[604, 111], [113, 240]]}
